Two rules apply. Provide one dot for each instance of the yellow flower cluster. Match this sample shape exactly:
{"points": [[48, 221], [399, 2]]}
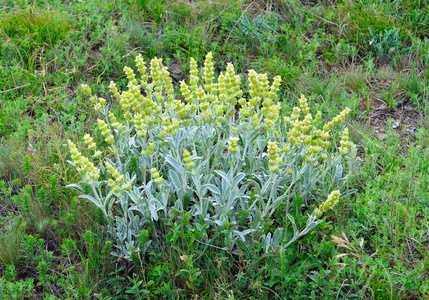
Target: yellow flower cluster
{"points": [[305, 131], [139, 125], [99, 103], [229, 87], [330, 203], [318, 119], [114, 90], [130, 76], [260, 91], [156, 176], [194, 79], [233, 145], [131, 100], [84, 166], [86, 89], [105, 131], [179, 108], [90, 142], [269, 109], [149, 150], [114, 186], [274, 160], [184, 89], [188, 159], [113, 122], [297, 133], [209, 84], [161, 81], [337, 120], [258, 84], [142, 70], [346, 145], [119, 179], [294, 134], [192, 100], [170, 125]]}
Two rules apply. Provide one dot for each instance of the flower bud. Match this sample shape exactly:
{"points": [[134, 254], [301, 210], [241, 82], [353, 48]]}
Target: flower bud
{"points": [[85, 89], [233, 145], [127, 187]]}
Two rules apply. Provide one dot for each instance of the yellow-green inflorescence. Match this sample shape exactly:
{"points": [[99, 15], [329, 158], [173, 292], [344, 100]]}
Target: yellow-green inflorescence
{"points": [[329, 204], [233, 145], [89, 141], [274, 160], [209, 84], [99, 103], [118, 182], [86, 89], [84, 166], [306, 131], [345, 143], [105, 131], [149, 150], [155, 174], [187, 158]]}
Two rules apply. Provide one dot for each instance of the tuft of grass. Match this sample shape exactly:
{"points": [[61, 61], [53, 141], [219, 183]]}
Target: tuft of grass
{"points": [[12, 231], [355, 80], [28, 30]]}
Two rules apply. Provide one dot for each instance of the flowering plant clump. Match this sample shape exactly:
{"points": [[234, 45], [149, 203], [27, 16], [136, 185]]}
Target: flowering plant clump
{"points": [[210, 153]]}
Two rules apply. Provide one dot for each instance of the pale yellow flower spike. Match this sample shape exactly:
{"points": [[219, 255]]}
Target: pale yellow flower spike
{"points": [[330, 203]]}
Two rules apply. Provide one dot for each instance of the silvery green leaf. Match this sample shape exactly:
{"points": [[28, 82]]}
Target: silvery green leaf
{"points": [[277, 202], [174, 163], [197, 183], [239, 177], [136, 221], [240, 234], [224, 176], [265, 188], [255, 184], [278, 236], [197, 209], [174, 179], [139, 209], [135, 197], [292, 220], [93, 200], [247, 231], [267, 242], [74, 185], [164, 199], [153, 211], [219, 222], [192, 212], [339, 172], [256, 219], [135, 152], [214, 189], [131, 141], [109, 201], [178, 205]]}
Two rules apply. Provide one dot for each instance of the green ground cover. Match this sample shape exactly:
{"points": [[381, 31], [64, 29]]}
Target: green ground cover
{"points": [[370, 56]]}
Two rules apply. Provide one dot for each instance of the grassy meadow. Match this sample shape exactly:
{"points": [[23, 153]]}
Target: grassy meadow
{"points": [[370, 56]]}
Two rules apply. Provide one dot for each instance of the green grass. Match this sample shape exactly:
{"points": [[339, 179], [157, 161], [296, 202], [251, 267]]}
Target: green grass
{"points": [[54, 245]]}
